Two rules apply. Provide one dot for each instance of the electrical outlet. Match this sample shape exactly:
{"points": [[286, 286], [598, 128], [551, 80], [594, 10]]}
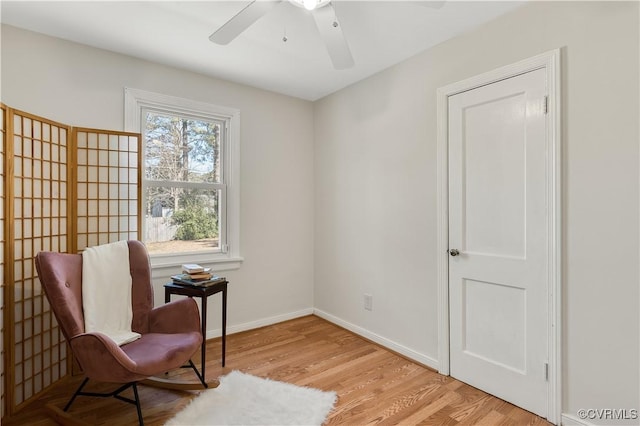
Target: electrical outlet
{"points": [[368, 302]]}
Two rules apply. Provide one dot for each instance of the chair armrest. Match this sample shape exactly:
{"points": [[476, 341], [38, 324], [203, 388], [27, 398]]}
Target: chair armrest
{"points": [[180, 316], [102, 359]]}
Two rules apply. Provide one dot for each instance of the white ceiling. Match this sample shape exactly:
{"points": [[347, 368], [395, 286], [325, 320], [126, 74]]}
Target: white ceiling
{"points": [[380, 34]]}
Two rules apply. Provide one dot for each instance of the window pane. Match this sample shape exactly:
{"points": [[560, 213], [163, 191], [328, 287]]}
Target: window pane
{"points": [[182, 149], [181, 219]]}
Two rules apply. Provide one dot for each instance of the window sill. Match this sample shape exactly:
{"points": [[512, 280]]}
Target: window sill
{"points": [[163, 266]]}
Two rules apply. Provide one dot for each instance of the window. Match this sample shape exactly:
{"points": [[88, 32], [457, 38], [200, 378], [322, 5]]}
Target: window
{"points": [[184, 185], [190, 178]]}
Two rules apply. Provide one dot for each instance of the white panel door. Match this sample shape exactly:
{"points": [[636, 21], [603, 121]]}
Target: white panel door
{"points": [[497, 239]]}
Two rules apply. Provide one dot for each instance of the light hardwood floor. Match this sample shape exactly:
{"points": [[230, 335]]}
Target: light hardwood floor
{"points": [[373, 384]]}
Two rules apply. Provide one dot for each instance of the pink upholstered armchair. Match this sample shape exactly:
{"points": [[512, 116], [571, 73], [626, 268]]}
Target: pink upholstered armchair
{"points": [[170, 333]]}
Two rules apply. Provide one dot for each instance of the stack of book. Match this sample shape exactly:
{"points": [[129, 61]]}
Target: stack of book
{"points": [[196, 275]]}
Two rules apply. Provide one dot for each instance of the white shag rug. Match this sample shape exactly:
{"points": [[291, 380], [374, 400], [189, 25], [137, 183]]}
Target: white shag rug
{"points": [[243, 399]]}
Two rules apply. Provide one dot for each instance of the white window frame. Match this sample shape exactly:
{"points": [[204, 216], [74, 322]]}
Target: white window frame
{"points": [[136, 102]]}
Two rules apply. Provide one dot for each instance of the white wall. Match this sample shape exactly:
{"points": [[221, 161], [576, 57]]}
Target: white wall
{"points": [[84, 86], [375, 177]]}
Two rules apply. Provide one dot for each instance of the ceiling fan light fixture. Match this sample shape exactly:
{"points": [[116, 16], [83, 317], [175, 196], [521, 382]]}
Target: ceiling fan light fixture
{"points": [[310, 4]]}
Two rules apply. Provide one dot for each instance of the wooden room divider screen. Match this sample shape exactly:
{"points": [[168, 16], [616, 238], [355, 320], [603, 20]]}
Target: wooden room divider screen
{"points": [[2, 244], [64, 189]]}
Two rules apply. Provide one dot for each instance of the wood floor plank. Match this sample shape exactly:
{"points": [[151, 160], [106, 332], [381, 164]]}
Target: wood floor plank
{"points": [[374, 385]]}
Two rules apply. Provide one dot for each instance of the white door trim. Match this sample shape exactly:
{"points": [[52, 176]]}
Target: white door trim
{"points": [[550, 61]]}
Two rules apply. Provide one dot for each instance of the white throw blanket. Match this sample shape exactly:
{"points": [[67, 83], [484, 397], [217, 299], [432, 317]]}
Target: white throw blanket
{"points": [[106, 291]]}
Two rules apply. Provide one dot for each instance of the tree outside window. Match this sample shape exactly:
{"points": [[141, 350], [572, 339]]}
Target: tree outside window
{"points": [[184, 183]]}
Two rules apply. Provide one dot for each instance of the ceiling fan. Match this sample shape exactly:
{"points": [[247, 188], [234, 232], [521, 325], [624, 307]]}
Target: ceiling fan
{"points": [[323, 13]]}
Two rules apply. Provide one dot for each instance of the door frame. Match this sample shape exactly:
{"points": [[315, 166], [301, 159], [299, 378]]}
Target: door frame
{"points": [[550, 62]]}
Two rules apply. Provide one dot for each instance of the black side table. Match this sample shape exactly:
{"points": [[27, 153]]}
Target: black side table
{"points": [[203, 293]]}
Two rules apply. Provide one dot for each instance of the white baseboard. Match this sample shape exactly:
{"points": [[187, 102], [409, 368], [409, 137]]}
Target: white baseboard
{"points": [[217, 332], [383, 341], [571, 420]]}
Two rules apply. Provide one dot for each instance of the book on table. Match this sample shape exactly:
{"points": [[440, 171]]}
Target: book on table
{"points": [[194, 268], [187, 279], [199, 276]]}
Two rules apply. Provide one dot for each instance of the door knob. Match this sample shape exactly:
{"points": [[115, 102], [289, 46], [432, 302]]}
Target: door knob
{"points": [[454, 252]]}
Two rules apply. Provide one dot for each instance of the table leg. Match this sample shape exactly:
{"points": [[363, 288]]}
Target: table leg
{"points": [[167, 295], [224, 322], [204, 335]]}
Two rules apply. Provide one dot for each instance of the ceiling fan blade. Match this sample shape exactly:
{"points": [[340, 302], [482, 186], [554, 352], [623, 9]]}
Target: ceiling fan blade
{"points": [[242, 20], [331, 33]]}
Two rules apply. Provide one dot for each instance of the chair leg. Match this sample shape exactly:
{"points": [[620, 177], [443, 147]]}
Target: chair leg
{"points": [[115, 394], [78, 392], [193, 366], [135, 394]]}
